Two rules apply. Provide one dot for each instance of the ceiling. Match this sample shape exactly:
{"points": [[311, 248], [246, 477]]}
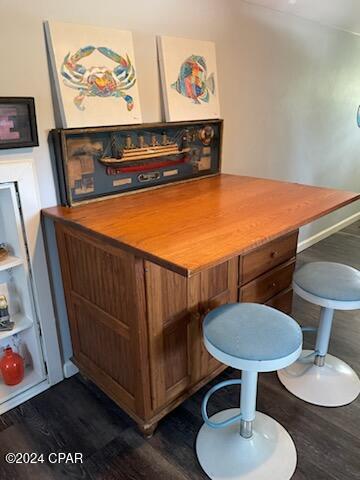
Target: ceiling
{"points": [[343, 14]]}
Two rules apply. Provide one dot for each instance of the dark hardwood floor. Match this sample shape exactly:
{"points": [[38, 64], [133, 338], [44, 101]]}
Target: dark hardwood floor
{"points": [[75, 416]]}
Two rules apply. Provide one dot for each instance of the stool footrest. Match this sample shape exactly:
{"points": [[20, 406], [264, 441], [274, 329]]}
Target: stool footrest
{"points": [[309, 329], [304, 358], [212, 390]]}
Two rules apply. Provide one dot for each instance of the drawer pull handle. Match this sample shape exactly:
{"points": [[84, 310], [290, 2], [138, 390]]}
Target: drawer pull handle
{"points": [[274, 254], [273, 284]]}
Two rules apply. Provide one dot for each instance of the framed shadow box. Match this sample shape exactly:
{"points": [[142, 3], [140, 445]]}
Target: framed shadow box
{"points": [[18, 122], [93, 163]]}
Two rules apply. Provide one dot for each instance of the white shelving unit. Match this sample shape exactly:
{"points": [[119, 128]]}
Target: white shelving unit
{"points": [[29, 337], [22, 322], [10, 262], [14, 272], [31, 379]]}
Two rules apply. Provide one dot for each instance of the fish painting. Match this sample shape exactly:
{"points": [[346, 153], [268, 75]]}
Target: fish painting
{"points": [[193, 81]]}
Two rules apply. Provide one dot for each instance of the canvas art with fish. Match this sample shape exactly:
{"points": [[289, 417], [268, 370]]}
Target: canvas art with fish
{"points": [[193, 81], [189, 79]]}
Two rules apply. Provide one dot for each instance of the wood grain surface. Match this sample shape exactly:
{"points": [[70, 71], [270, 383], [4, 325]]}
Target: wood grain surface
{"points": [[75, 416], [195, 225]]}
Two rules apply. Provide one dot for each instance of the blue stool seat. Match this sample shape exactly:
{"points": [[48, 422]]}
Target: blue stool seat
{"points": [[252, 337], [317, 377], [333, 281], [335, 285]]}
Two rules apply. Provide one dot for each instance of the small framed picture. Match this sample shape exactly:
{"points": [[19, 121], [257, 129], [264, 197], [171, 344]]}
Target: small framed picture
{"points": [[18, 122]]}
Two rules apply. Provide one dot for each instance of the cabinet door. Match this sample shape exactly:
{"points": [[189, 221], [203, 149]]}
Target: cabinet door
{"points": [[168, 318], [175, 308], [105, 317], [208, 290]]}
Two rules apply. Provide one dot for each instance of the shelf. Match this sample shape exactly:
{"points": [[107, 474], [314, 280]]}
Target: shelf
{"points": [[17, 225], [21, 323], [10, 262], [31, 379]]}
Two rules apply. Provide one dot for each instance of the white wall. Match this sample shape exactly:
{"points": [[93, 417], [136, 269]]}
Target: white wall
{"points": [[343, 14], [289, 88], [290, 95]]}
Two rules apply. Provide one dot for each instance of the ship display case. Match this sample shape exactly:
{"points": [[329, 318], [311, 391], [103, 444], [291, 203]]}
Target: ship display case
{"points": [[92, 163]]}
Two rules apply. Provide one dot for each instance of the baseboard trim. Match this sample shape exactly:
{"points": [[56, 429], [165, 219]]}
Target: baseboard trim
{"points": [[308, 242], [69, 369]]}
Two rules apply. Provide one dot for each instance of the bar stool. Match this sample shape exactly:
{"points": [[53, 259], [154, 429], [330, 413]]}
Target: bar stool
{"points": [[318, 377], [242, 443]]}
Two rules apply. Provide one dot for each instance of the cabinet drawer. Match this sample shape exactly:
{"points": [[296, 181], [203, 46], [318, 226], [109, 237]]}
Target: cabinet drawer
{"points": [[268, 285], [282, 301], [267, 257]]}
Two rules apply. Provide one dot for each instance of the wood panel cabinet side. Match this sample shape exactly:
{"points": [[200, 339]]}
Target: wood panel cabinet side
{"points": [[140, 344], [155, 320], [167, 326], [207, 290], [66, 279], [137, 404], [233, 279], [194, 327]]}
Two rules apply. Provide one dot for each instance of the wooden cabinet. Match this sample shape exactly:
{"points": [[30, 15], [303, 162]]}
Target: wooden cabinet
{"points": [[140, 271], [175, 308], [136, 326]]}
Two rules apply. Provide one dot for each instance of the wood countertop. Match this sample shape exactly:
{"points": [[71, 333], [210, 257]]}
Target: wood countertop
{"points": [[192, 226]]}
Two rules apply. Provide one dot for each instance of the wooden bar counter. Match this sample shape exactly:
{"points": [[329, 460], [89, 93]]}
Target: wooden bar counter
{"points": [[141, 270]]}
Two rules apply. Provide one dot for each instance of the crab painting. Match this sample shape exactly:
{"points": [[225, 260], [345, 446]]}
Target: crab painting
{"points": [[98, 81]]}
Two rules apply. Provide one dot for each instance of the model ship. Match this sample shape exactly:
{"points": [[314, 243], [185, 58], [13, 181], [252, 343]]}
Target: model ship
{"points": [[99, 161], [142, 151]]}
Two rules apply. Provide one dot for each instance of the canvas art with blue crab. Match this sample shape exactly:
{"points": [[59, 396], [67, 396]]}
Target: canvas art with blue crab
{"points": [[193, 81], [99, 81]]}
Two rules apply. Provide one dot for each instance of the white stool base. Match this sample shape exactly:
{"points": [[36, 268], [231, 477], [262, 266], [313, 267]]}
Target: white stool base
{"points": [[333, 385], [223, 454]]}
